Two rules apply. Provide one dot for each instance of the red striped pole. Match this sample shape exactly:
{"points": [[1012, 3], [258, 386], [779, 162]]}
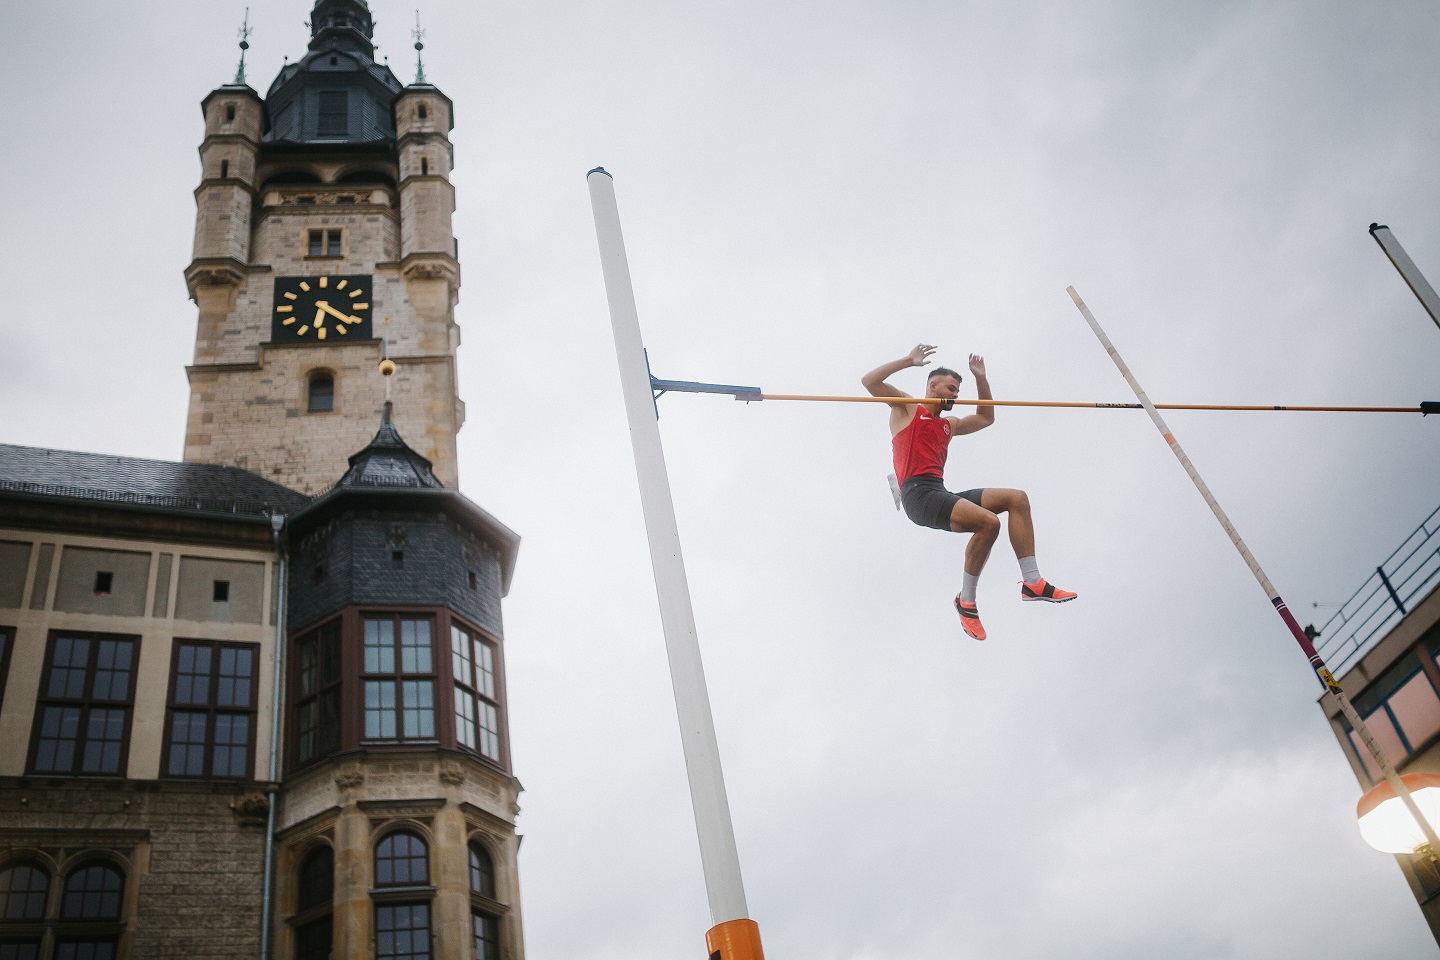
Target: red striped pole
{"points": [[1316, 663]]}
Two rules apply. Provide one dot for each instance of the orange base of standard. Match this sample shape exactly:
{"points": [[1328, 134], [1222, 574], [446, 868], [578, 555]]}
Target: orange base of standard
{"points": [[734, 940]]}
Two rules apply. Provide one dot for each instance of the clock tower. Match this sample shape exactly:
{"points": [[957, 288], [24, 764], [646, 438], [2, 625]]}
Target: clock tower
{"points": [[323, 243]]}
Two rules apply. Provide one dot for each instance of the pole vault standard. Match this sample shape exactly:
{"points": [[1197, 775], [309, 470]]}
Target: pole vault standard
{"points": [[1316, 663], [732, 935], [1408, 271]]}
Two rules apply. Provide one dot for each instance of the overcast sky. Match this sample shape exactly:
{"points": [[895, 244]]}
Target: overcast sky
{"points": [[807, 190]]}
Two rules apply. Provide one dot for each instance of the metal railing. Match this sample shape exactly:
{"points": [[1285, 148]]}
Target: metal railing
{"points": [[1390, 593]]}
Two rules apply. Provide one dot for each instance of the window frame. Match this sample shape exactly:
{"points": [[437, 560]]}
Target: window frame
{"points": [[212, 710], [398, 677], [86, 703], [7, 647], [469, 687], [1375, 698], [333, 629], [318, 912], [316, 376]]}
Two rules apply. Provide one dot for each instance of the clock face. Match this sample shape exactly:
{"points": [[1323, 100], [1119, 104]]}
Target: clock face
{"points": [[317, 309]]}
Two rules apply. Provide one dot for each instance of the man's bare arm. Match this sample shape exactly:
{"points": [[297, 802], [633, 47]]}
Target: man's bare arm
{"points": [[983, 415], [874, 381]]}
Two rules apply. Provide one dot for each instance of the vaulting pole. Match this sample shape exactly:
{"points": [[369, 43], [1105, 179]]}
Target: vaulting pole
{"points": [[1316, 663], [1408, 271], [1426, 408], [733, 936]]}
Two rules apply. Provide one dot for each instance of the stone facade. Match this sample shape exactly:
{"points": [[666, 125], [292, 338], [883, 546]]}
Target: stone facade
{"points": [[257, 204]]}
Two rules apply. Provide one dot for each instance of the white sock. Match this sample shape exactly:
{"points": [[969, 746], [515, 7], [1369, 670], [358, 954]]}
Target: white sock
{"points": [[967, 587], [1029, 569]]}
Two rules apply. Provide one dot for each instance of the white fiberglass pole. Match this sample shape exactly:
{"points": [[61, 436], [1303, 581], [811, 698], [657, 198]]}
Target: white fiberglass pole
{"points": [[718, 856], [1332, 686], [1408, 271]]}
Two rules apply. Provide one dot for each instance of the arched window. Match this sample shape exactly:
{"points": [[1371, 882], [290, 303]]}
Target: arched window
{"points": [[484, 926], [316, 880], [402, 929], [402, 860], [92, 893], [92, 904], [482, 872], [322, 392], [23, 888], [314, 930]]}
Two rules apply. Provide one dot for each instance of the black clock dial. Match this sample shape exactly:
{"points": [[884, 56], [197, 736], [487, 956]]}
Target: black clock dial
{"points": [[321, 309]]}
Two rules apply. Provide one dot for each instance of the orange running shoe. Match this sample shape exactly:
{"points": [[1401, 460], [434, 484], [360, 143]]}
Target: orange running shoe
{"points": [[1041, 590], [970, 619]]}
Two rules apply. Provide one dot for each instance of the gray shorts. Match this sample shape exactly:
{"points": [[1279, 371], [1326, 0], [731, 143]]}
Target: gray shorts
{"points": [[928, 503]]}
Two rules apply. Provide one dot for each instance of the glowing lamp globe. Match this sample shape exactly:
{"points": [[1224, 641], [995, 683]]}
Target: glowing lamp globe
{"points": [[1386, 825]]}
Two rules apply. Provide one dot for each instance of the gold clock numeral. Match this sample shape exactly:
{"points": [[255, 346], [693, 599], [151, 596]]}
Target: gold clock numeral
{"points": [[291, 296], [287, 321], [284, 308], [361, 306], [301, 331], [357, 292], [304, 285], [341, 284], [324, 281], [320, 332], [340, 328]]}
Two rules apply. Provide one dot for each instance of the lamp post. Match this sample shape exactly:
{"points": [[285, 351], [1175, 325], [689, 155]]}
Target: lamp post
{"points": [[1387, 826]]}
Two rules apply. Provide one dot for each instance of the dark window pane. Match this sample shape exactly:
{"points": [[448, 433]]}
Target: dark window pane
{"points": [[59, 732], [305, 733], [332, 243], [92, 893], [187, 744], [316, 879], [112, 669], [22, 892], [401, 858], [486, 933], [482, 872], [236, 672], [85, 950], [192, 676], [322, 394], [67, 668], [104, 736], [313, 941], [20, 950], [330, 721], [232, 744], [379, 709], [402, 931], [330, 653]]}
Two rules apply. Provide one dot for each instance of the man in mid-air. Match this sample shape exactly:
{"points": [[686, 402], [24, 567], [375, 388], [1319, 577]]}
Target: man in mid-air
{"points": [[920, 439]]}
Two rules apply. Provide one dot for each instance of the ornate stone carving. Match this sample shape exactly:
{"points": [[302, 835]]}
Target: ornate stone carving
{"points": [[214, 272], [251, 809], [452, 773], [350, 778]]}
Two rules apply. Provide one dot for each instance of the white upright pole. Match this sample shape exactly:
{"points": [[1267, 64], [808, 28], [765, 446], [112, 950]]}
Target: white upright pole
{"points": [[1408, 271], [718, 856]]}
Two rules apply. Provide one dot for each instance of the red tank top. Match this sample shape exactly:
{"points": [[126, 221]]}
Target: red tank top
{"points": [[920, 448]]}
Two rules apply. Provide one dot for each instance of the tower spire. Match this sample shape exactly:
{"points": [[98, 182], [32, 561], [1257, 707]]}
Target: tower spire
{"points": [[244, 45], [419, 36]]}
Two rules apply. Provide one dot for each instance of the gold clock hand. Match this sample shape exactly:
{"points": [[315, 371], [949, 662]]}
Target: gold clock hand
{"points": [[324, 305]]}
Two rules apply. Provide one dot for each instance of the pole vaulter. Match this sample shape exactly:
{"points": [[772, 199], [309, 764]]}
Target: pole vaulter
{"points": [[732, 935], [1316, 663]]}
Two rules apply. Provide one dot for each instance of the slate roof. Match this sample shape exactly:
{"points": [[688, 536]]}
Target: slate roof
{"points": [[133, 481], [388, 461]]}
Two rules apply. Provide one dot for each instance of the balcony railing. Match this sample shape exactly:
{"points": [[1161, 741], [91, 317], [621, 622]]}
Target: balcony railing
{"points": [[1392, 591]]}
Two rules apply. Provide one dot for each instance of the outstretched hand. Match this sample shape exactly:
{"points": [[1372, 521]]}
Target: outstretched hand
{"points": [[920, 356], [977, 365]]}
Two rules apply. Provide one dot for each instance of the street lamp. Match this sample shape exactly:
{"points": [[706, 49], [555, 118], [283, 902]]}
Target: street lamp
{"points": [[1387, 826]]}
